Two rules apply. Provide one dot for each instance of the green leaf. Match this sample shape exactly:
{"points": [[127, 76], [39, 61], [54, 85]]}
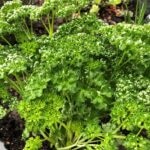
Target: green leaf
{"points": [[33, 143], [114, 2], [3, 112]]}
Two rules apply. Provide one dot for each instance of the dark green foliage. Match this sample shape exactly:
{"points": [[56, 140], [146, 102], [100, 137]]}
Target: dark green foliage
{"points": [[66, 84]]}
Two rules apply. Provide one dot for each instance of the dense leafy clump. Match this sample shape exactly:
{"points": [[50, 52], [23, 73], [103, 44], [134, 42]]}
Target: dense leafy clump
{"points": [[85, 86]]}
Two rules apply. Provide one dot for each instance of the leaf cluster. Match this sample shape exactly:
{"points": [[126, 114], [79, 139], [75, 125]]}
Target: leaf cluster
{"points": [[65, 85]]}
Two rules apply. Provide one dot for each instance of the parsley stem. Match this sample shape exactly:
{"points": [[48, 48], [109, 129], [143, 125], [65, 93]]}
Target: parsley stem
{"points": [[6, 40], [52, 24], [27, 29], [13, 85], [139, 131], [119, 137], [20, 83], [67, 147], [45, 136], [119, 126], [46, 28], [121, 60]]}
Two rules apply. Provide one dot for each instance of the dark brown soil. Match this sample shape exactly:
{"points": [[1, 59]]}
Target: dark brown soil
{"points": [[11, 128]]}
